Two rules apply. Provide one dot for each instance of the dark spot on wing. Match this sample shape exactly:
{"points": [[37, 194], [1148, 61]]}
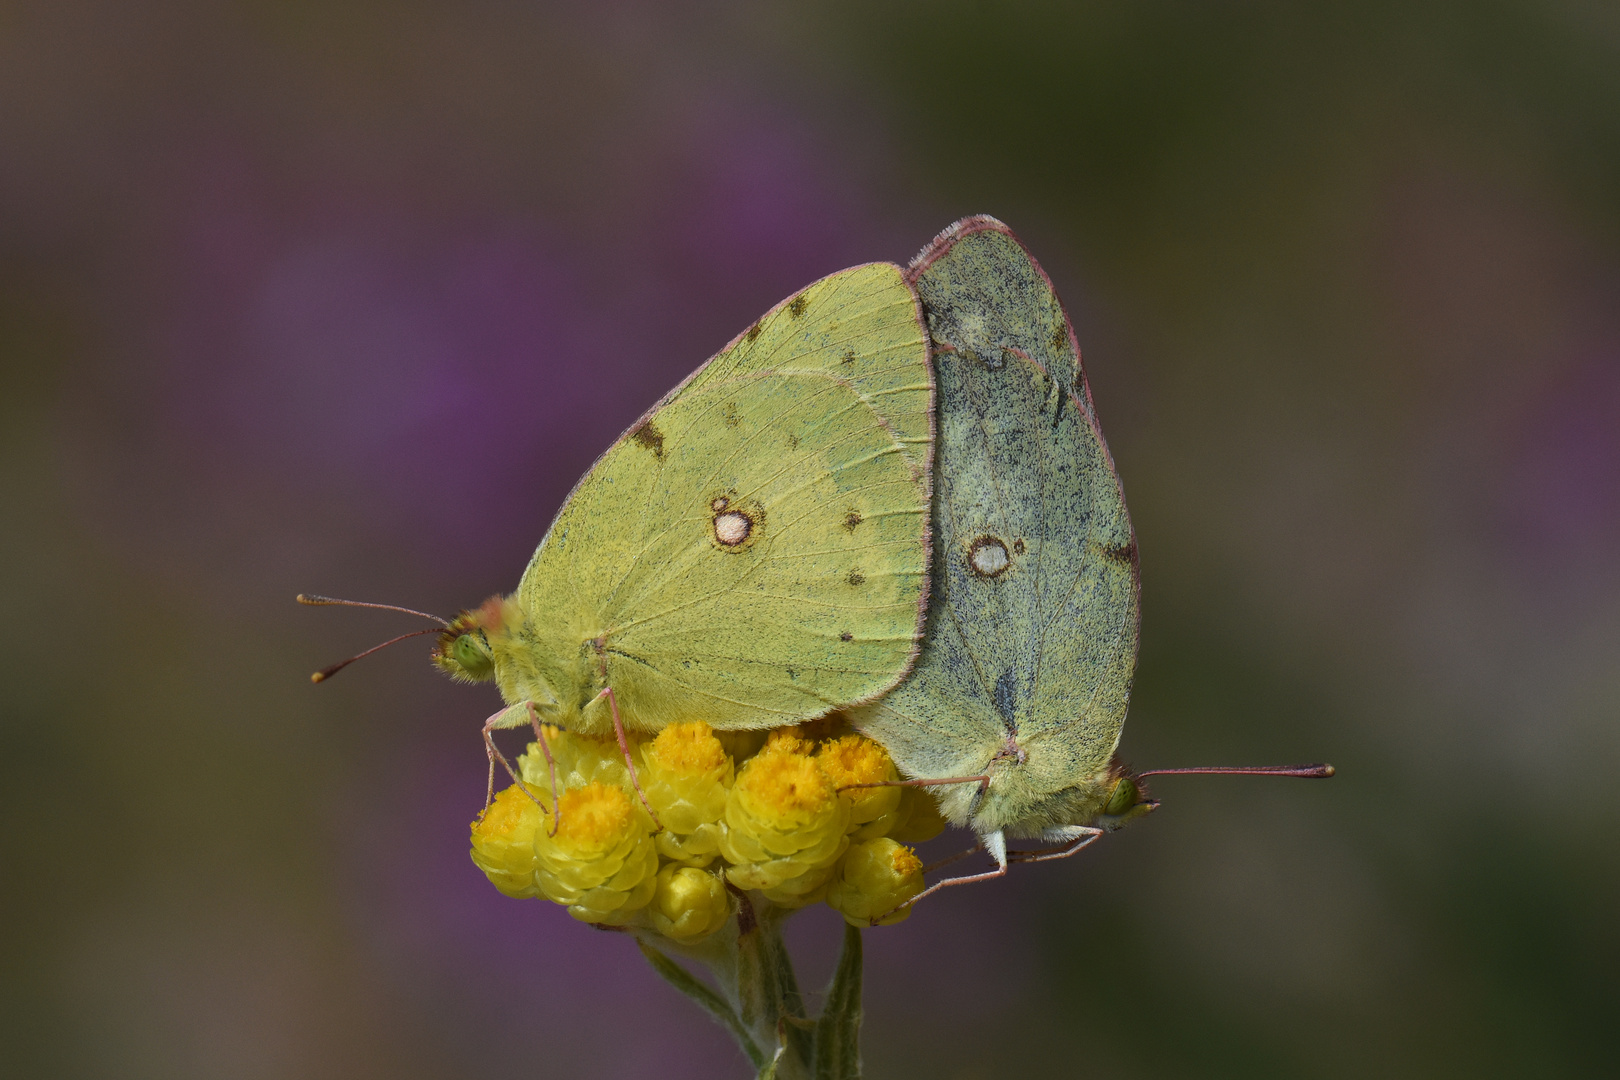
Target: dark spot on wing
{"points": [[849, 357], [649, 436], [1125, 554], [793, 442], [1007, 697], [846, 636], [730, 414], [852, 519], [1018, 547], [855, 577], [800, 302], [1060, 334], [753, 332]]}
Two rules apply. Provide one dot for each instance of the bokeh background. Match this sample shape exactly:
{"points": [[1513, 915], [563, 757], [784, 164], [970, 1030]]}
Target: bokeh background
{"points": [[342, 297]]}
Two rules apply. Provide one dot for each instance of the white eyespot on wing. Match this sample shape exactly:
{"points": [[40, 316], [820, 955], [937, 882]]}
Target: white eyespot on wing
{"points": [[732, 528], [988, 557]]}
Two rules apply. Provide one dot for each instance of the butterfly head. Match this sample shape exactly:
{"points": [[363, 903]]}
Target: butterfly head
{"points": [[1034, 793], [1127, 800], [464, 651]]}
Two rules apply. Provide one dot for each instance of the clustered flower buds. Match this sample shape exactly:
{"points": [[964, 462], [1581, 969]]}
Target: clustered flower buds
{"points": [[761, 813]]}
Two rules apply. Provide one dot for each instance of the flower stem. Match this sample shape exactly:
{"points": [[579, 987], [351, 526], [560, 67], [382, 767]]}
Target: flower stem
{"points": [[838, 1032], [759, 1000]]}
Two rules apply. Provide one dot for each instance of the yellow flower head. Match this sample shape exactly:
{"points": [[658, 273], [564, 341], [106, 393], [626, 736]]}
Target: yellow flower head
{"points": [[602, 861], [855, 759], [503, 843], [689, 903], [785, 826], [874, 879], [686, 776]]}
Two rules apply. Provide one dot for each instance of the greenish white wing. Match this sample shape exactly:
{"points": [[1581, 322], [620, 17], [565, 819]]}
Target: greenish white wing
{"points": [[1032, 626]]}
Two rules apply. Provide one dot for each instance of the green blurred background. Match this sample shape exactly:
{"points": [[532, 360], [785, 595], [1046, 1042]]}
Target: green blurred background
{"points": [[341, 297]]}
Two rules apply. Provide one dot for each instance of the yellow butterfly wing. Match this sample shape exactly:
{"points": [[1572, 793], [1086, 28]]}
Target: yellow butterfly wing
{"points": [[753, 552]]}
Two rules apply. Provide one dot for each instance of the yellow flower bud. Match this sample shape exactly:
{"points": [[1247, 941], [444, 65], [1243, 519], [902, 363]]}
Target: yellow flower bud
{"points": [[602, 862], [855, 759], [785, 827], [503, 843], [918, 818], [686, 773], [689, 903], [874, 879]]}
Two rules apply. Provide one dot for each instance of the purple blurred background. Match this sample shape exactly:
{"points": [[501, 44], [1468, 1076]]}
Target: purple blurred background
{"points": [[343, 298]]}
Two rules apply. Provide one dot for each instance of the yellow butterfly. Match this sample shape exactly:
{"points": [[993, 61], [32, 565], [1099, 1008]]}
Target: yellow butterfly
{"points": [[753, 552]]}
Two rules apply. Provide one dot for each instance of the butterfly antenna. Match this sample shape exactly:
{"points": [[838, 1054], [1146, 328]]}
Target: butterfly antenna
{"points": [[1306, 772], [326, 601], [327, 672]]}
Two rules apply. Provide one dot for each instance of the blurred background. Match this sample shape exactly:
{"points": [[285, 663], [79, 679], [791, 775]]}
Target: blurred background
{"points": [[342, 297]]}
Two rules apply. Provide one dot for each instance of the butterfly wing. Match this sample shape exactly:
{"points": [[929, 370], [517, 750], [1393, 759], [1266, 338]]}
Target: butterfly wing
{"points": [[863, 326], [754, 551], [1032, 626]]}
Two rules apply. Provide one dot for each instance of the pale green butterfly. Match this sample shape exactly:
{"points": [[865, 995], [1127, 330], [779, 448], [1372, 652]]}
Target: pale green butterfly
{"points": [[752, 552], [1031, 637]]}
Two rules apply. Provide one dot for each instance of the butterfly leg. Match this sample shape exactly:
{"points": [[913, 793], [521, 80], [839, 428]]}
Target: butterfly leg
{"points": [[1081, 836], [995, 844], [624, 748], [551, 764], [949, 859], [494, 753], [982, 781]]}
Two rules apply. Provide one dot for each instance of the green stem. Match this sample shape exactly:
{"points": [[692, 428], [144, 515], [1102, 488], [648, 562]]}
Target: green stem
{"points": [[759, 1000], [838, 1032]]}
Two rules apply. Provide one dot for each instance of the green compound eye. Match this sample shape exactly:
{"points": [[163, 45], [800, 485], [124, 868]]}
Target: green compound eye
{"points": [[1126, 795], [472, 654]]}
